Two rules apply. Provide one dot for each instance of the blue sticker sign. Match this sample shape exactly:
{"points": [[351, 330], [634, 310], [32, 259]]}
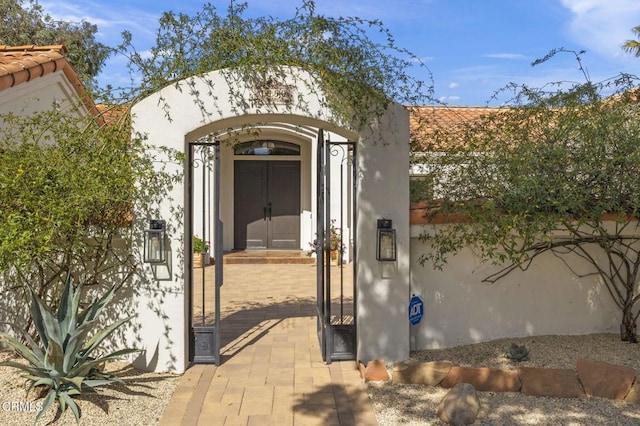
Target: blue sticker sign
{"points": [[416, 310]]}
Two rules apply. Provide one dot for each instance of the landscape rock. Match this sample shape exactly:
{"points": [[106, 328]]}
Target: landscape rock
{"points": [[422, 373], [605, 380], [484, 379], [376, 371], [556, 382], [633, 397], [459, 406], [361, 369]]}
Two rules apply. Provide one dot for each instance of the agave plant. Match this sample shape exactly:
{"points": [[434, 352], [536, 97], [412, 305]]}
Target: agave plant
{"points": [[65, 360], [517, 353]]}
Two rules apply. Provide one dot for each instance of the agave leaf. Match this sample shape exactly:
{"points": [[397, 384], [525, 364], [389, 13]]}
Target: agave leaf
{"points": [[39, 382], [39, 372], [37, 318], [74, 345], [120, 353], [73, 391], [65, 303], [74, 407], [54, 357], [76, 382], [35, 348], [48, 401], [83, 368], [65, 400], [52, 327], [99, 375], [92, 383], [68, 309], [95, 341], [35, 378], [27, 368], [44, 320], [23, 350], [96, 306], [76, 304], [43, 381], [62, 401]]}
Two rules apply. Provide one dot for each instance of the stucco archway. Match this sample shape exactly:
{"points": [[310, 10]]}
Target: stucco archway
{"points": [[194, 108]]}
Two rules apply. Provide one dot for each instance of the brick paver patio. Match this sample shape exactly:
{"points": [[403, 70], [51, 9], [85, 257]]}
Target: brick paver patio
{"points": [[272, 372]]}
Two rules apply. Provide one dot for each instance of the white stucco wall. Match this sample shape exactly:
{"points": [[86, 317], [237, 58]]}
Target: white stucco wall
{"points": [[41, 94], [383, 192], [546, 299]]}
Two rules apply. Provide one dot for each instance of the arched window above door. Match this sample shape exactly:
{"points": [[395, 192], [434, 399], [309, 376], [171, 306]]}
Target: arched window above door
{"points": [[266, 147]]}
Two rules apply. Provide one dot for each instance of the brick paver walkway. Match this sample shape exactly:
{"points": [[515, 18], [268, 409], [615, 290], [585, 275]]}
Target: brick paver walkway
{"points": [[272, 371]]}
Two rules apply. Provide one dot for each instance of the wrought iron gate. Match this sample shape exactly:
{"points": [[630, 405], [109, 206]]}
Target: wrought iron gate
{"points": [[205, 225], [336, 301]]}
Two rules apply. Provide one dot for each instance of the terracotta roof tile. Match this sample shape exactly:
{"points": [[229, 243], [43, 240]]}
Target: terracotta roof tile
{"points": [[20, 64], [425, 121], [449, 114], [24, 63]]}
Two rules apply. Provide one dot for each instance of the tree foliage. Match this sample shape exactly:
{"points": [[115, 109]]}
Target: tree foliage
{"points": [[355, 62], [557, 172], [24, 22], [633, 46], [69, 188]]}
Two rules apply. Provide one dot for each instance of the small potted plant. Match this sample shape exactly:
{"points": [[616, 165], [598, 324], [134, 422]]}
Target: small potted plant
{"points": [[200, 252], [336, 248]]}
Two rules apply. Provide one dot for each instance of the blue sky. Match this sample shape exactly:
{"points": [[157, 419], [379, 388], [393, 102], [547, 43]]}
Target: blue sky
{"points": [[472, 47]]}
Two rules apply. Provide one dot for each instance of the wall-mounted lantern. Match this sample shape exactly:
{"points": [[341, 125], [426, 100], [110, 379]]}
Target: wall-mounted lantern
{"points": [[386, 242], [154, 238]]}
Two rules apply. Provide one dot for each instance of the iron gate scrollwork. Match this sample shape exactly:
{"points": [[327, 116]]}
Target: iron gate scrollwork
{"points": [[204, 222], [336, 313]]}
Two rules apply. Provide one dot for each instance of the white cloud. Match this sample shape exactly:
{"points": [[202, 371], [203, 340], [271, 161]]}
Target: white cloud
{"points": [[504, 55], [447, 99], [602, 26], [422, 59], [453, 85], [111, 21]]}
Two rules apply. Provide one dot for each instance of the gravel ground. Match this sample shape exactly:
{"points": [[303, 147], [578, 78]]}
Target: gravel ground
{"points": [[141, 402], [397, 404], [394, 404]]}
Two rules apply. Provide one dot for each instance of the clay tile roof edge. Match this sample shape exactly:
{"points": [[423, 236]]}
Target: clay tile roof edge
{"points": [[35, 61]]}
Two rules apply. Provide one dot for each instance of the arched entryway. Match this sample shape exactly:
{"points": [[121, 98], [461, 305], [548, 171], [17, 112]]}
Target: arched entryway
{"points": [[280, 192], [218, 118]]}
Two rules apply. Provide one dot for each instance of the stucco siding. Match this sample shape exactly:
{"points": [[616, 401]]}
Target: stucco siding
{"points": [[545, 299]]}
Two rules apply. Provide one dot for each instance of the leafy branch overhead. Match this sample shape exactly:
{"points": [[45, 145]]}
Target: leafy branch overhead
{"points": [[556, 173], [356, 62]]}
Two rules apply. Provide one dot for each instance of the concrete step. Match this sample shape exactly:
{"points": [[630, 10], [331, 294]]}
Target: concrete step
{"points": [[263, 257]]}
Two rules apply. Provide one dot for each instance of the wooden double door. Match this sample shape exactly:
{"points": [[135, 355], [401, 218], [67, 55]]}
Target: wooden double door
{"points": [[267, 204]]}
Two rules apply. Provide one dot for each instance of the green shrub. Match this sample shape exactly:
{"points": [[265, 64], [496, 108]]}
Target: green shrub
{"points": [[65, 360]]}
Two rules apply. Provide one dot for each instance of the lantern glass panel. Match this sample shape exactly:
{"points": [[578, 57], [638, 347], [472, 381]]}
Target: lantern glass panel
{"points": [[386, 245], [154, 246]]}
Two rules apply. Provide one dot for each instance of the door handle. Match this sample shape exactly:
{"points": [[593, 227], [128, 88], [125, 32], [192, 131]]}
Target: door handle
{"points": [[269, 210]]}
